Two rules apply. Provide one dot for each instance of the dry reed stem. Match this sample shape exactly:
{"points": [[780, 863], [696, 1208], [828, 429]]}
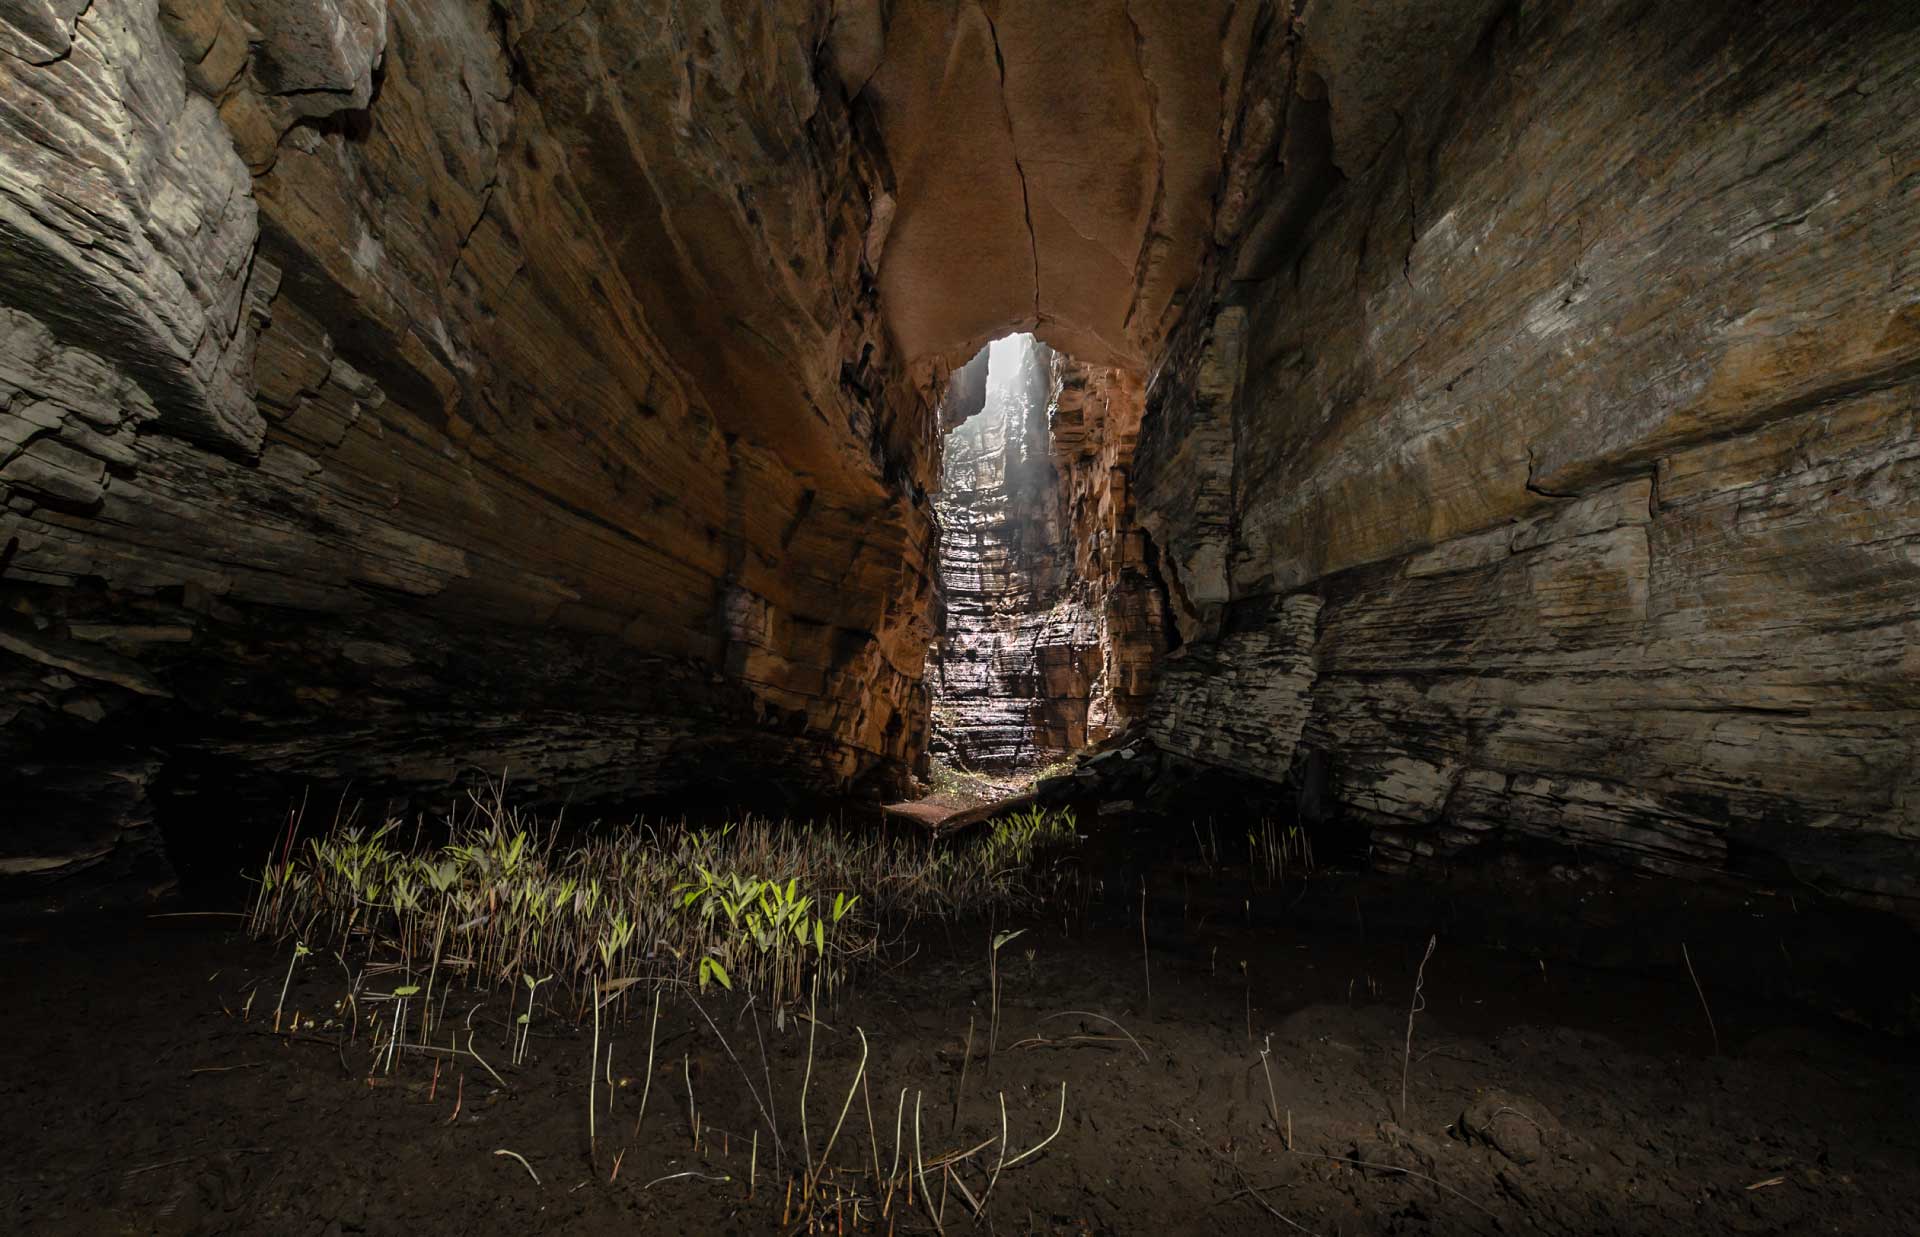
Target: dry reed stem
{"points": [[523, 1163], [1087, 1013], [1701, 992], [1418, 1003]]}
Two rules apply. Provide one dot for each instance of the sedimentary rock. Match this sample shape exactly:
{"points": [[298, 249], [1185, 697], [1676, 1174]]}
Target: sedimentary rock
{"points": [[375, 359], [1594, 433], [1242, 701], [397, 390], [1051, 621], [1055, 171]]}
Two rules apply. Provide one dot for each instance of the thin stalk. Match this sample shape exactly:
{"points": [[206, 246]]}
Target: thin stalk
{"points": [[960, 1088], [920, 1162], [746, 1077], [999, 1163], [1059, 1121], [813, 1025], [1146, 959], [693, 1109], [1701, 992], [647, 1086], [1418, 1003], [859, 1073], [593, 1084]]}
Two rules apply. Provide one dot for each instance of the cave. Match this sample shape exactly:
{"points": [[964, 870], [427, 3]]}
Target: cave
{"points": [[891, 616]]}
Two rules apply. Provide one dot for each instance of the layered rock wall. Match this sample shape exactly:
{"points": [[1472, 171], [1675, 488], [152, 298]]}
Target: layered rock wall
{"points": [[1052, 618], [395, 392], [1583, 397]]}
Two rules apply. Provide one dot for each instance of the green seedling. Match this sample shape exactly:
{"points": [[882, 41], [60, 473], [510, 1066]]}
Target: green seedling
{"points": [[759, 907], [399, 1020], [526, 1019], [300, 951]]}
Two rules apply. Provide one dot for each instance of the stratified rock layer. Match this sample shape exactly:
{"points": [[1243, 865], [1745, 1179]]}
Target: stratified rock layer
{"points": [[403, 392], [1584, 403], [1052, 621]]}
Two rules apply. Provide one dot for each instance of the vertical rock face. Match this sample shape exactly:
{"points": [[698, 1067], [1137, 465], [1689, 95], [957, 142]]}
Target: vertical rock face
{"points": [[1096, 413], [1052, 620], [1010, 671], [403, 391], [1581, 404]]}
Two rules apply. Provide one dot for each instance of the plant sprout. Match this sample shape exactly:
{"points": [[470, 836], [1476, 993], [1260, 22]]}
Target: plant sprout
{"points": [[300, 951], [526, 1019]]}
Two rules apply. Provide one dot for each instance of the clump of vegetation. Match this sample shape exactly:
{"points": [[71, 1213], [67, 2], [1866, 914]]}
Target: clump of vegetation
{"points": [[959, 787], [754, 905], [1271, 849], [964, 788]]}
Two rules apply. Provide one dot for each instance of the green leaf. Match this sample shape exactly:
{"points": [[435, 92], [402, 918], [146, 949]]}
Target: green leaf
{"points": [[406, 990]]}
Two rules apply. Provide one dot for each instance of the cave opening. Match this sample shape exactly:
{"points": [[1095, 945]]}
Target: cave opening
{"points": [[1048, 630], [995, 706]]}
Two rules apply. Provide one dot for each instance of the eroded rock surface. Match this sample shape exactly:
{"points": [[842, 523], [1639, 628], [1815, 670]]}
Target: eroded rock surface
{"points": [[399, 391], [1585, 404], [1051, 619]]}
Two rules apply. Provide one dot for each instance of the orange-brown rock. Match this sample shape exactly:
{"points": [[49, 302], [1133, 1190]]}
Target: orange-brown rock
{"points": [[459, 388], [1051, 617]]}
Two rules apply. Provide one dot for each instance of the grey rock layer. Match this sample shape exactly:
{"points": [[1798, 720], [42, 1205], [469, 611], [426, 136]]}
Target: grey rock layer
{"points": [[1585, 406]]}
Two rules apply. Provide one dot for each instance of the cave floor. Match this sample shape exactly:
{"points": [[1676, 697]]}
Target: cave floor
{"points": [[1539, 1098]]}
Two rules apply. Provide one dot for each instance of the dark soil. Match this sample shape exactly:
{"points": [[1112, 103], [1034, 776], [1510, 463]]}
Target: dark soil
{"points": [[1540, 1097]]}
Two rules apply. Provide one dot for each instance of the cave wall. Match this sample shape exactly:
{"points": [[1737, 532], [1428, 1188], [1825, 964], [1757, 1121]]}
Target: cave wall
{"points": [[1545, 462], [1094, 428], [395, 392], [1009, 669], [398, 392]]}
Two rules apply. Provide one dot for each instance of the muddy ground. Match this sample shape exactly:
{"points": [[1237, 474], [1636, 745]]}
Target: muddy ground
{"points": [[1539, 1097]]}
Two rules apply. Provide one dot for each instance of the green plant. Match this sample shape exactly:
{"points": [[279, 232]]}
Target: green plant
{"points": [[756, 906], [526, 1019], [400, 995], [710, 969], [300, 951]]}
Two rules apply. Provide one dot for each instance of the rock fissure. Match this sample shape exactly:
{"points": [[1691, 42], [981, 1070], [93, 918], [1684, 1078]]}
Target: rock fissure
{"points": [[1019, 169]]}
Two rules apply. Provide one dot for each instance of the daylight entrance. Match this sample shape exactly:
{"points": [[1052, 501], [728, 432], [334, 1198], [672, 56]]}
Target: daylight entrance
{"points": [[1018, 655]]}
